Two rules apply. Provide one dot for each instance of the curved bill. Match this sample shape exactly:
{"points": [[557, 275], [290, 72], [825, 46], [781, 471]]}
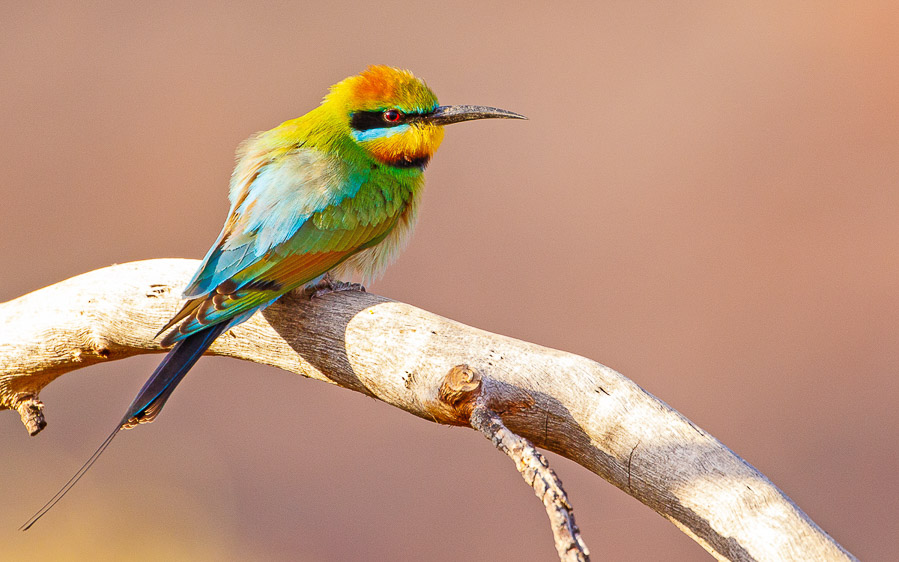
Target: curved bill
{"points": [[446, 114]]}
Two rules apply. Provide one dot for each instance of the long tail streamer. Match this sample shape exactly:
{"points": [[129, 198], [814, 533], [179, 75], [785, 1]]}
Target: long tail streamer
{"points": [[149, 401]]}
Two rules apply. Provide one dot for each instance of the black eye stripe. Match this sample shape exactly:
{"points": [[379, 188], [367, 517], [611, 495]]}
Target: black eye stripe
{"points": [[365, 120]]}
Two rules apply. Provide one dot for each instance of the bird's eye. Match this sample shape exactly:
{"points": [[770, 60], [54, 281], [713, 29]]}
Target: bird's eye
{"points": [[392, 116]]}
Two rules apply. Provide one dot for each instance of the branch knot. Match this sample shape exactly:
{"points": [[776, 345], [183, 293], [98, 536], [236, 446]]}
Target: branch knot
{"points": [[457, 394], [460, 385]]}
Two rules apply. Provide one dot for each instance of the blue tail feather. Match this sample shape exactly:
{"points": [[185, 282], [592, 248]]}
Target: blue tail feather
{"points": [[152, 397]]}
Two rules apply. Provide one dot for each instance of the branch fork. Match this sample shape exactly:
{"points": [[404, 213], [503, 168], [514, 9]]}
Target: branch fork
{"points": [[462, 392]]}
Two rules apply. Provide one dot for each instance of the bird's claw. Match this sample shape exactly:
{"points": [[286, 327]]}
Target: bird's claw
{"points": [[330, 285]]}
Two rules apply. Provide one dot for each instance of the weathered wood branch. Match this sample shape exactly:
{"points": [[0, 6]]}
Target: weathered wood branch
{"points": [[401, 355]]}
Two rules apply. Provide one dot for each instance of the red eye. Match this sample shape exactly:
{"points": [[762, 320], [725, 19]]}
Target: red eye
{"points": [[392, 115]]}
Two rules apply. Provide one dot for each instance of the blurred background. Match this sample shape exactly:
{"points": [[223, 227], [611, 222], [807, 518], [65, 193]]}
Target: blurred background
{"points": [[705, 199]]}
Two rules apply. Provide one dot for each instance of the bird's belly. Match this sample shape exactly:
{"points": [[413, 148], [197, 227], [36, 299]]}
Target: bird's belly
{"points": [[371, 262]]}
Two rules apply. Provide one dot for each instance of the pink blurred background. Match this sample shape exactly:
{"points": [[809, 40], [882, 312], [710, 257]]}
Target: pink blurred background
{"points": [[704, 198]]}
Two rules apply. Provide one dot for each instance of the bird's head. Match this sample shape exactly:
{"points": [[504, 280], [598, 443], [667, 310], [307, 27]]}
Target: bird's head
{"points": [[395, 117]]}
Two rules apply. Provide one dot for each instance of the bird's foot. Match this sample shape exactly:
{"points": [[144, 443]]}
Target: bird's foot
{"points": [[330, 285]]}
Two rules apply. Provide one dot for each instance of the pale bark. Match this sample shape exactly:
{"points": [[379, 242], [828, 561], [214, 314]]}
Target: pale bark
{"points": [[404, 356]]}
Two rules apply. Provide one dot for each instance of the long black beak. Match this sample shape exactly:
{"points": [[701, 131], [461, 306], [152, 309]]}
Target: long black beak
{"points": [[446, 114]]}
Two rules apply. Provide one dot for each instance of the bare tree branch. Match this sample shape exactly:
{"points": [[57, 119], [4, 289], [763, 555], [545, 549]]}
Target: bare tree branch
{"points": [[536, 472], [401, 355]]}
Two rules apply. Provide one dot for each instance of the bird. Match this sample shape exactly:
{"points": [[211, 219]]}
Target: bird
{"points": [[329, 194]]}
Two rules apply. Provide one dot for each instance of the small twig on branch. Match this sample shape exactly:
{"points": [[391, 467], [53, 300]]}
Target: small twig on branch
{"points": [[31, 410], [462, 390], [400, 354], [537, 473]]}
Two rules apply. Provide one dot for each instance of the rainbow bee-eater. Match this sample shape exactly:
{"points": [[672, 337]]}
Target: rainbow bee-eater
{"points": [[332, 192]]}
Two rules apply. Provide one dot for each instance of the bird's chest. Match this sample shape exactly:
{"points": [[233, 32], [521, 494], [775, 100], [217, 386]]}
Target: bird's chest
{"points": [[397, 204], [380, 198]]}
